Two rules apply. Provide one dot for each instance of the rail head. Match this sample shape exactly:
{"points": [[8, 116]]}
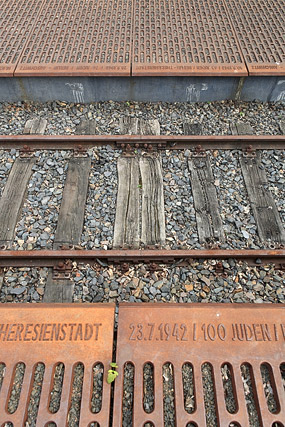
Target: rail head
{"points": [[70, 142]]}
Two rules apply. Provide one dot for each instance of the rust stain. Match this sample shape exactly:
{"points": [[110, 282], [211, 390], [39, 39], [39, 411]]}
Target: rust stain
{"points": [[50, 258]]}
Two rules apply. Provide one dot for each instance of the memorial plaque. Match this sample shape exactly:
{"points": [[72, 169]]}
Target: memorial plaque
{"points": [[46, 335], [236, 338], [17, 18], [184, 38], [259, 26], [89, 38]]}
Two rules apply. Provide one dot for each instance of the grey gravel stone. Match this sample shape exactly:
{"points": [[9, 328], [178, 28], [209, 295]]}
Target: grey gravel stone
{"points": [[28, 284], [214, 117]]}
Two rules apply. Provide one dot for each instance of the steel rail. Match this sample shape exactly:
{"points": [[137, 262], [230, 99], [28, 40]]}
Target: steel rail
{"points": [[66, 142], [50, 258]]}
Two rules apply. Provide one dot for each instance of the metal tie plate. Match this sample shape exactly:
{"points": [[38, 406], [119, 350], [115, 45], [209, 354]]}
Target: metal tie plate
{"points": [[49, 334], [79, 38], [17, 19], [179, 37], [242, 338], [259, 26]]}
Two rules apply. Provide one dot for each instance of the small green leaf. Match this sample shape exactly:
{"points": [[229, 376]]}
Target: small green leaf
{"points": [[113, 365], [112, 375]]}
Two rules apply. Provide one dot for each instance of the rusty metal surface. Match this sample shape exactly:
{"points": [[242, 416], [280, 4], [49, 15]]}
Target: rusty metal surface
{"points": [[193, 37], [31, 337], [79, 38], [17, 19], [197, 37], [259, 26], [234, 334], [50, 258], [54, 142]]}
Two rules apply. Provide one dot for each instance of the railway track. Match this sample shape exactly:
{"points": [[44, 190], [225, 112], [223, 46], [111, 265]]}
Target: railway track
{"points": [[164, 231]]}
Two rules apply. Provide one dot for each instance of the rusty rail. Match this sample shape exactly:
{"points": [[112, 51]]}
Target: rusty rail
{"points": [[50, 258], [67, 142]]}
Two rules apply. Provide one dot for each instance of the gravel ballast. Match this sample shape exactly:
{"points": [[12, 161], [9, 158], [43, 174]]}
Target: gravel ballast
{"points": [[37, 224], [196, 281], [216, 118]]}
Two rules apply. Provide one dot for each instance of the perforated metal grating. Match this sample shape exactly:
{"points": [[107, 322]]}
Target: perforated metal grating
{"points": [[165, 37], [85, 37], [41, 337], [212, 364], [184, 38], [259, 26], [17, 19]]}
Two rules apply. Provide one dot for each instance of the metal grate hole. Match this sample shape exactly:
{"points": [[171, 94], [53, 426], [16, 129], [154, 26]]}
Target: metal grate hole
{"points": [[128, 394], [148, 425], [18, 378], [94, 425], [188, 388], [191, 425], [234, 425], [269, 387], [148, 388], [55, 394], [8, 425], [52, 424], [2, 373], [229, 388], [96, 399], [209, 394], [168, 395], [77, 384], [277, 424], [35, 394], [282, 371], [250, 395]]}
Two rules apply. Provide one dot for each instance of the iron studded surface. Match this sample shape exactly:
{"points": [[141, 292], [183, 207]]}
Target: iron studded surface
{"points": [[199, 333], [30, 338]]}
